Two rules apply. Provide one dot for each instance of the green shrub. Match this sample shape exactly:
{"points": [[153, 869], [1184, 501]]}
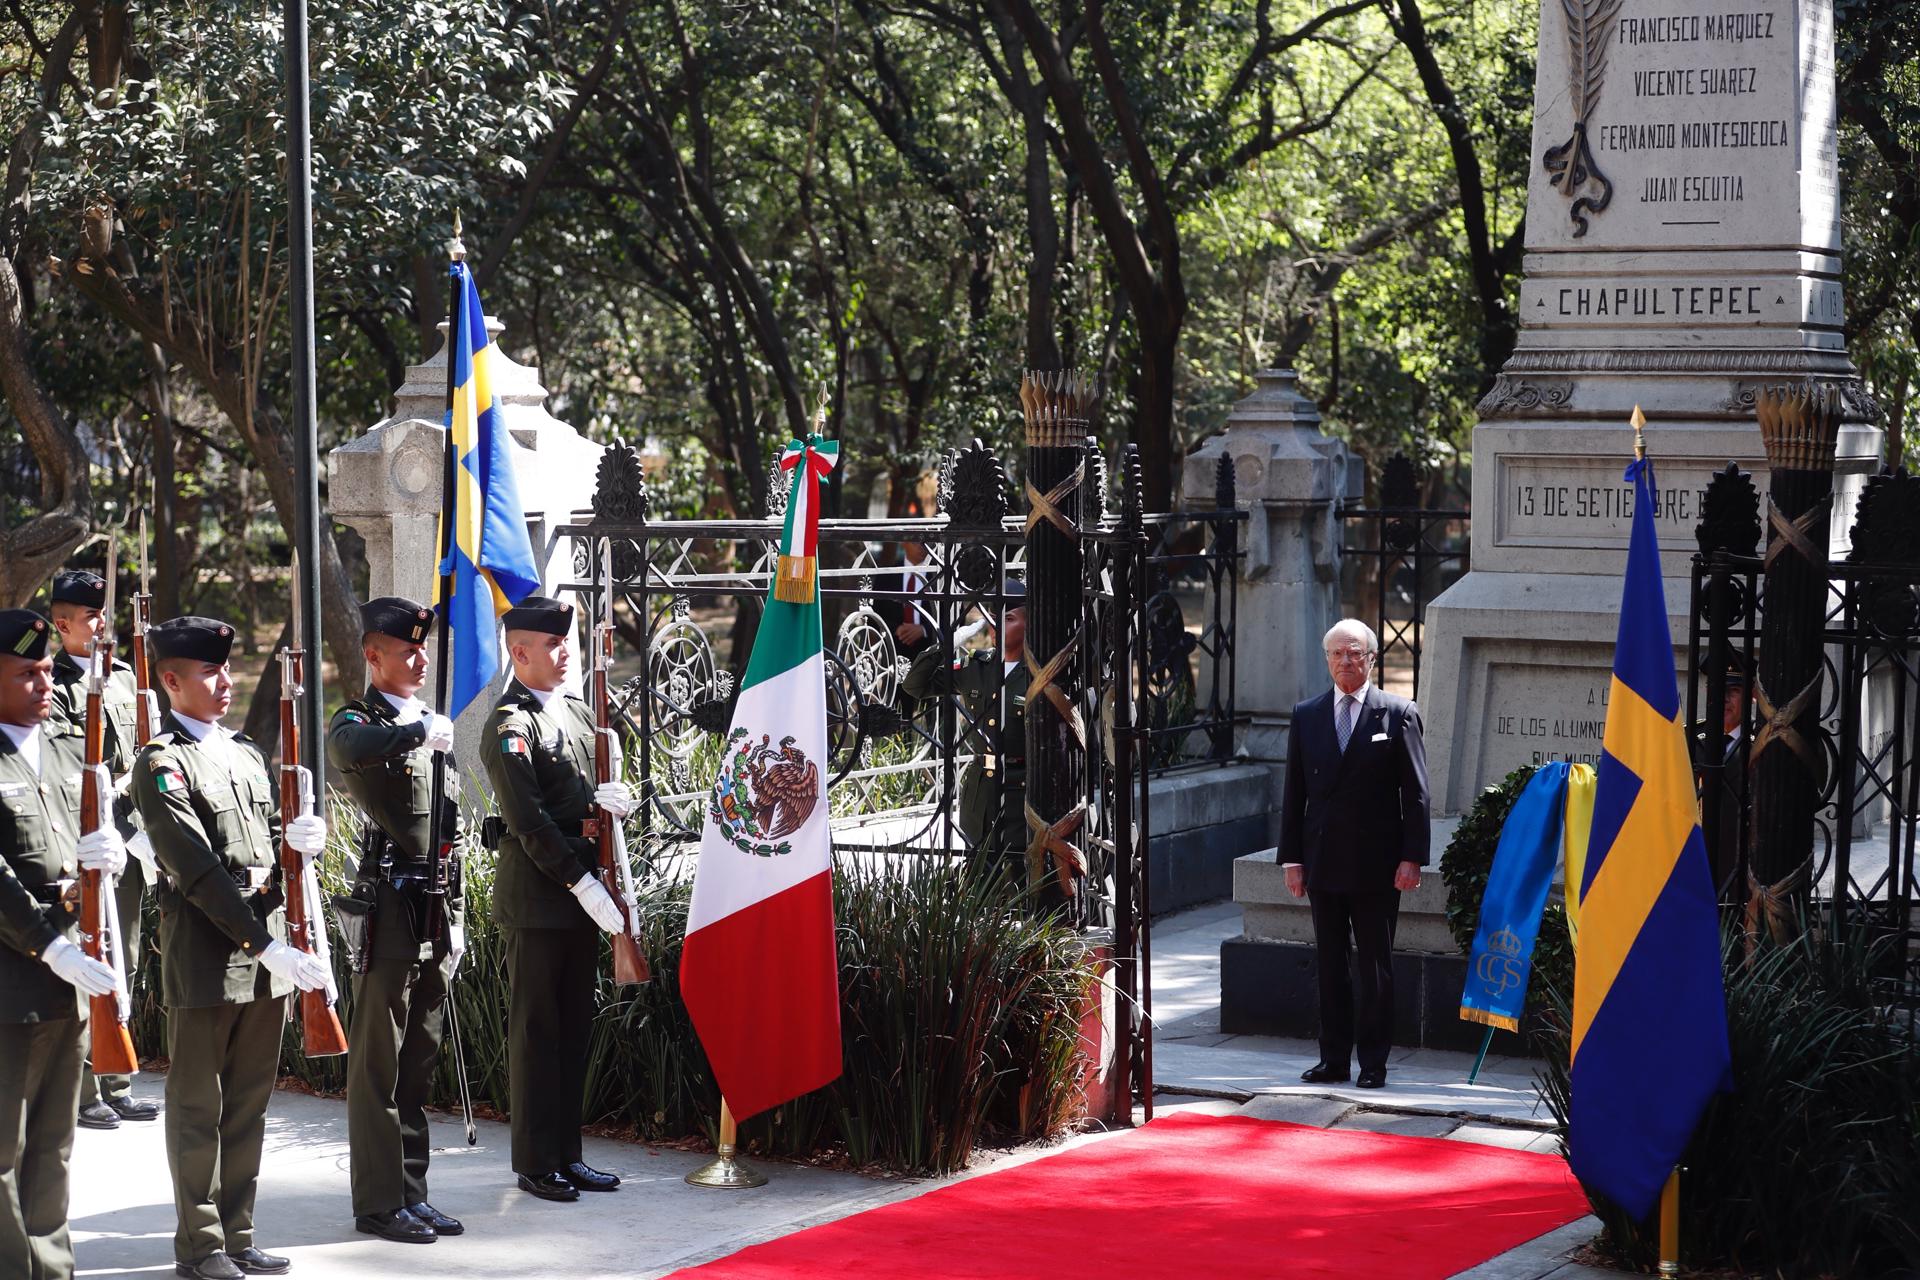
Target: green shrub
{"points": [[959, 1018], [1811, 1166], [1464, 868]]}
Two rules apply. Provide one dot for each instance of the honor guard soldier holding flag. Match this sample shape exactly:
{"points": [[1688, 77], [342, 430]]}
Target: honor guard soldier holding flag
{"points": [[210, 809], [45, 976], [406, 951], [538, 752], [77, 601]]}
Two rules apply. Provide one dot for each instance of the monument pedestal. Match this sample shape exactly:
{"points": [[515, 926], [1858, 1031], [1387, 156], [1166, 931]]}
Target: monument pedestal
{"points": [[1683, 250]]}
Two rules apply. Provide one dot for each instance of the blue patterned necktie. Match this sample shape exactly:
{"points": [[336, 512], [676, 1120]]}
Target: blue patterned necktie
{"points": [[1343, 724]]}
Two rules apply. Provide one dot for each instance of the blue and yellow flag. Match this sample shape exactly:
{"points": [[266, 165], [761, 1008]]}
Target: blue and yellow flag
{"points": [[1649, 1005], [488, 565]]}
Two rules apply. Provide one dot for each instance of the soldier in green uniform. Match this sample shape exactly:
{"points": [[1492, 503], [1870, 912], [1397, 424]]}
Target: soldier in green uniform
{"points": [[383, 744], [992, 817], [44, 975], [76, 602], [538, 752], [210, 809]]}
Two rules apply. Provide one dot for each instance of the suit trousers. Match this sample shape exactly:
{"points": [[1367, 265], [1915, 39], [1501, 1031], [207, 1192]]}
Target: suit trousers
{"points": [[551, 978], [1353, 939], [39, 1096], [225, 1060], [399, 1013], [126, 899]]}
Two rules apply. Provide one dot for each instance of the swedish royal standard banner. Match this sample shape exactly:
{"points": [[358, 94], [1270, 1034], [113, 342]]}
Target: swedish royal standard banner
{"points": [[487, 565], [1516, 894], [1649, 1004], [1545, 829], [759, 973]]}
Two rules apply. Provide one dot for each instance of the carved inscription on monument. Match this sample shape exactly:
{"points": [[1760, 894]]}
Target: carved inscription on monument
{"points": [[1583, 501], [1688, 124], [1538, 714]]}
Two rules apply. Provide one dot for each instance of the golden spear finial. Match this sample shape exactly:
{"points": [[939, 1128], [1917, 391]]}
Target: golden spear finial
{"points": [[456, 247], [1639, 434]]}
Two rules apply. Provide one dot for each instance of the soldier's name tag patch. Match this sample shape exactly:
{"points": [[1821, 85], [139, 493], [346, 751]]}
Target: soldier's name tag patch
{"points": [[12, 788], [167, 778]]}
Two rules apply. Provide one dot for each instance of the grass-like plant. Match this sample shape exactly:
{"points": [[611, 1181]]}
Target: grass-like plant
{"points": [[959, 1019], [1811, 1166]]}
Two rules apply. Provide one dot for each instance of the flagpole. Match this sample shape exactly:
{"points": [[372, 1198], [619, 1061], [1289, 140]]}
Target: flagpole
{"points": [[457, 251], [724, 1171], [1670, 1225]]}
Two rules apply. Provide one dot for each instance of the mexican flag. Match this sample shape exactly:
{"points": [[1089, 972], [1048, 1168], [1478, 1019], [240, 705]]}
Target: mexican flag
{"points": [[759, 971]]}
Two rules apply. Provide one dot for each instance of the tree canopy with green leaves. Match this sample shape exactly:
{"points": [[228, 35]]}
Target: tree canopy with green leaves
{"points": [[701, 218]]}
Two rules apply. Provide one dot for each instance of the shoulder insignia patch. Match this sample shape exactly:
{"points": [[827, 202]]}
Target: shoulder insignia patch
{"points": [[513, 743], [353, 717], [167, 778]]}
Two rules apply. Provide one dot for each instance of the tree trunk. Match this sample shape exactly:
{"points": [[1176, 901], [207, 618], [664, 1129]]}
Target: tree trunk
{"points": [[31, 552]]}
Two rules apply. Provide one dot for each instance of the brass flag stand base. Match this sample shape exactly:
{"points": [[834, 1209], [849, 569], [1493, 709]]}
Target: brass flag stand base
{"points": [[723, 1170]]}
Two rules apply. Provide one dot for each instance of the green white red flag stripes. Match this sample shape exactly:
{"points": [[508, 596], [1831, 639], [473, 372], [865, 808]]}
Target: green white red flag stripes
{"points": [[759, 972]]}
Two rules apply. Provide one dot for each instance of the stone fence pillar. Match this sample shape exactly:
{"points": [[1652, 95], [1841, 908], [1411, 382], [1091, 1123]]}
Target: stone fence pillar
{"points": [[1292, 479]]}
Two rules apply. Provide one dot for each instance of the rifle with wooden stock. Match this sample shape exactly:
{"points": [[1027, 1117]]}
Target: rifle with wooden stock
{"points": [[146, 705], [112, 1051], [321, 1033], [629, 964]]}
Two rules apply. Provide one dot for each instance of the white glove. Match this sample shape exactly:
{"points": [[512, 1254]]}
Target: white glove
{"points": [[141, 850], [456, 948], [90, 976], [439, 733], [104, 851], [298, 967], [615, 797], [307, 836], [598, 903]]}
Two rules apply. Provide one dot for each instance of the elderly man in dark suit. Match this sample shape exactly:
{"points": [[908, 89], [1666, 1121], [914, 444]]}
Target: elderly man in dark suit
{"points": [[1353, 833]]}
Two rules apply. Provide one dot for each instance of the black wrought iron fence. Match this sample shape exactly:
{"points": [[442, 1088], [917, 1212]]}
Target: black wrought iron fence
{"points": [[1862, 864], [1397, 557], [920, 621]]}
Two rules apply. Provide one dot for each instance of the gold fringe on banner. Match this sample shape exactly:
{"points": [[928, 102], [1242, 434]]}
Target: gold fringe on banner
{"points": [[793, 579]]}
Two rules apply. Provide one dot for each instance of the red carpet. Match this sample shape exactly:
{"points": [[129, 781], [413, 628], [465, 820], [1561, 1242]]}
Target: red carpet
{"points": [[1199, 1196]]}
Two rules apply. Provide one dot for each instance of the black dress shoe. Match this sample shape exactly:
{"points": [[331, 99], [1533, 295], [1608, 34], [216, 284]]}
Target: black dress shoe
{"points": [[256, 1263], [131, 1108], [98, 1115], [1374, 1079], [548, 1186], [398, 1225], [215, 1266], [589, 1179], [1321, 1073], [440, 1222]]}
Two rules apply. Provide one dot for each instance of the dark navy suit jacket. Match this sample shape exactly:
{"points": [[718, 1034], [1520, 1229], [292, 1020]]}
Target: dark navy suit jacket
{"points": [[1350, 819]]}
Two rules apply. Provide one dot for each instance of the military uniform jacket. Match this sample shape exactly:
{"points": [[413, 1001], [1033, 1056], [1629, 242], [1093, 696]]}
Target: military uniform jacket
{"points": [[211, 811], [540, 765], [1000, 751], [39, 825], [389, 773], [119, 734]]}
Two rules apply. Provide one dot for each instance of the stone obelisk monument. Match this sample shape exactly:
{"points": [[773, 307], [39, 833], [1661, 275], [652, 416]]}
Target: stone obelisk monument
{"points": [[1683, 250]]}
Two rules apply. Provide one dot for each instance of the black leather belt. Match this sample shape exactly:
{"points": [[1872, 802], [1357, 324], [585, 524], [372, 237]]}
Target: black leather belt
{"points": [[49, 895]]}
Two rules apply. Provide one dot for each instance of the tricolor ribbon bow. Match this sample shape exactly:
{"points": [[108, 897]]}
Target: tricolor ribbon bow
{"points": [[809, 460]]}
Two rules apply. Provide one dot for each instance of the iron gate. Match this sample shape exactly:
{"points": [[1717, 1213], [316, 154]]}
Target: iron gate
{"points": [[687, 598], [1861, 868]]}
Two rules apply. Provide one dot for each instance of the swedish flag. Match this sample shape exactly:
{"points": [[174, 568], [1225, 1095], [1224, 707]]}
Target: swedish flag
{"points": [[1649, 1007], [488, 563]]}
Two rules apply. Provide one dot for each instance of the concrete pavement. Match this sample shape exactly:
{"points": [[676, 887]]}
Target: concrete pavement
{"points": [[654, 1224]]}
